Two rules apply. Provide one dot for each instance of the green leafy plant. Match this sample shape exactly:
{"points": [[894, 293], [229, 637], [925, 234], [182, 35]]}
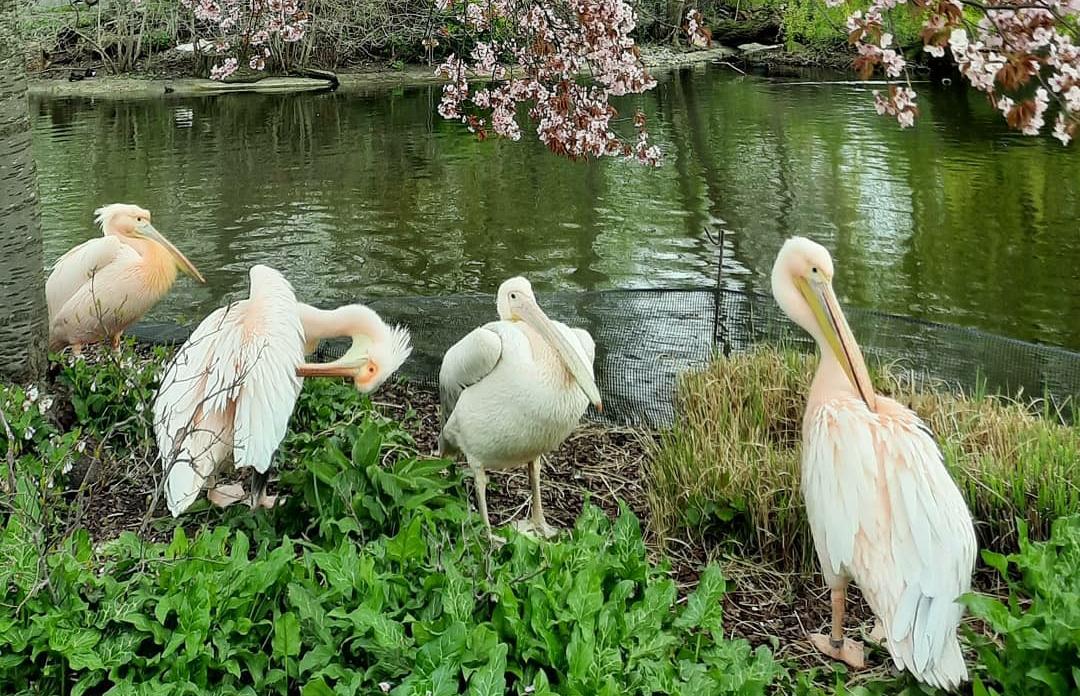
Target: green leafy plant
{"points": [[372, 576], [1036, 649], [111, 392]]}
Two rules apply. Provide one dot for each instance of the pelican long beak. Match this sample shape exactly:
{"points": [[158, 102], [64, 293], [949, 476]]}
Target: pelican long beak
{"points": [[150, 232], [531, 314], [834, 327], [337, 368], [351, 365]]}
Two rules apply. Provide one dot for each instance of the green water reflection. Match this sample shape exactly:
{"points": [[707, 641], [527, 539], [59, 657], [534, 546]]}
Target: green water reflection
{"points": [[371, 194]]}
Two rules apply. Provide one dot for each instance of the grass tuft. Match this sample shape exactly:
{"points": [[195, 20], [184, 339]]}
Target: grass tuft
{"points": [[729, 468]]}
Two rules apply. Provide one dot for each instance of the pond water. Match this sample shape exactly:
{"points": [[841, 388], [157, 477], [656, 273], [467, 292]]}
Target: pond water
{"points": [[371, 194]]}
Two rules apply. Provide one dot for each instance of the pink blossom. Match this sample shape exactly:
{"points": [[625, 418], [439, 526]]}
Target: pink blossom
{"points": [[223, 70], [535, 52], [1060, 130], [244, 27], [1001, 48]]}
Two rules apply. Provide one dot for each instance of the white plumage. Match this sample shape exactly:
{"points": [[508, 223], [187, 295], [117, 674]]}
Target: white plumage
{"points": [[506, 397], [100, 287], [885, 513], [513, 390], [883, 509], [231, 389]]}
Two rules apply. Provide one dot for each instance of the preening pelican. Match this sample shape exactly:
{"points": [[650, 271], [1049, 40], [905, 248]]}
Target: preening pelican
{"points": [[102, 286], [231, 389], [513, 390], [882, 508]]}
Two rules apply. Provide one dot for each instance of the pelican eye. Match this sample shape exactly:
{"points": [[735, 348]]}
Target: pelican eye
{"points": [[371, 369], [513, 296], [814, 269]]}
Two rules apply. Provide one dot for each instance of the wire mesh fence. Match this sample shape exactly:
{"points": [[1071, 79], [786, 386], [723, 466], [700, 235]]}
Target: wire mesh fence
{"points": [[646, 338]]}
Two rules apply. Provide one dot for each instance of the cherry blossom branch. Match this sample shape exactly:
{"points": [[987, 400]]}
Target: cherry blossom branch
{"points": [[245, 29], [538, 53], [1021, 54]]}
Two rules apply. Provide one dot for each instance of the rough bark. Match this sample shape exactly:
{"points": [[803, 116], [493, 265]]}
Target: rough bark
{"points": [[23, 316]]}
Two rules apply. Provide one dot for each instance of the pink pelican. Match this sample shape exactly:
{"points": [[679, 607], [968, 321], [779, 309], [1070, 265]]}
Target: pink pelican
{"points": [[883, 510], [513, 390], [102, 286], [231, 389]]}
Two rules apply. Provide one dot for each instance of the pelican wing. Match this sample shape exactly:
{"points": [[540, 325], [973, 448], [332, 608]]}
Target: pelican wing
{"points": [[73, 270], [467, 362], [885, 512], [231, 388]]}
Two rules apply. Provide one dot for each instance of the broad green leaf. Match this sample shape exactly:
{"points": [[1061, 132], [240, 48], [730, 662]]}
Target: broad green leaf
{"points": [[444, 650], [317, 658], [286, 642], [704, 608], [490, 680], [408, 544], [579, 653], [365, 451], [1055, 681], [310, 610], [444, 680], [317, 687]]}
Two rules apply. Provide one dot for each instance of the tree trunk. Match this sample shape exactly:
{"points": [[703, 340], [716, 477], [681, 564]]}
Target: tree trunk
{"points": [[23, 317]]}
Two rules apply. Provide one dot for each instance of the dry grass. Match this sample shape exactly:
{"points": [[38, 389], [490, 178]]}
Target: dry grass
{"points": [[729, 468]]}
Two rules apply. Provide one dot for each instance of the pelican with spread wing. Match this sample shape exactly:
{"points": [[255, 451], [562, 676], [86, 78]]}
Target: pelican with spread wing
{"points": [[883, 510], [231, 389], [513, 390], [102, 286]]}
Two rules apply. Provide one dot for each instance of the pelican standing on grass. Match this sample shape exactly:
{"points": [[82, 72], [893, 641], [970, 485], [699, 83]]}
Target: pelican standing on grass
{"points": [[513, 390], [231, 389], [883, 510], [102, 286]]}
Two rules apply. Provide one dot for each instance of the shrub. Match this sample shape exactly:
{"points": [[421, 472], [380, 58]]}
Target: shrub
{"points": [[1035, 648]]}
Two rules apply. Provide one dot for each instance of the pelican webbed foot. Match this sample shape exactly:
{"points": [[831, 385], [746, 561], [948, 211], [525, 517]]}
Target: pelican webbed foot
{"points": [[224, 496], [848, 651], [534, 528]]}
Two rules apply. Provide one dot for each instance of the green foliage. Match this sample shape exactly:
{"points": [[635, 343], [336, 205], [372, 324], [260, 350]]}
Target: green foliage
{"points": [[812, 22], [111, 392], [1036, 649], [372, 576]]}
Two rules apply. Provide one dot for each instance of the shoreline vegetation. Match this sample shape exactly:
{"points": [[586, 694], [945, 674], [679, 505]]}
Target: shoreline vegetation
{"points": [[125, 49]]}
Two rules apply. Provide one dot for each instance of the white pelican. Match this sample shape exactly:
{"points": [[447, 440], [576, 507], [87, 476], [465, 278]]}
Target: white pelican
{"points": [[231, 388], [882, 508], [102, 286], [513, 390]]}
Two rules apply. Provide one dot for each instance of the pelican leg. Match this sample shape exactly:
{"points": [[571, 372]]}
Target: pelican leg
{"points": [[480, 477], [835, 645], [258, 497], [537, 524]]}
